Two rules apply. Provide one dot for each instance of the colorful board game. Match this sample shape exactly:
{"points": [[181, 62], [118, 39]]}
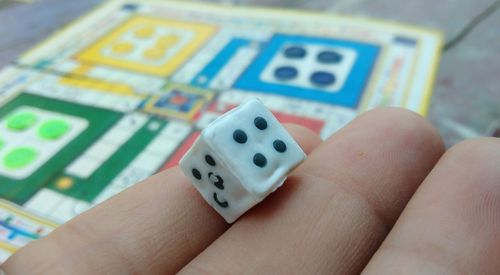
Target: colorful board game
{"points": [[124, 91]]}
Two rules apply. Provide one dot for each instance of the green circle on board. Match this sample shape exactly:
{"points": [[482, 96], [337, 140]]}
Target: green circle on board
{"points": [[53, 129], [21, 121], [19, 157]]}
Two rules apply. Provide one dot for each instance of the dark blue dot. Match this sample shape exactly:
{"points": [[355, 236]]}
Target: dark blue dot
{"points": [[279, 146], [322, 78], [329, 57], [130, 7], [260, 123], [259, 160], [216, 180], [239, 136], [210, 160], [295, 52], [196, 173], [286, 73], [223, 204]]}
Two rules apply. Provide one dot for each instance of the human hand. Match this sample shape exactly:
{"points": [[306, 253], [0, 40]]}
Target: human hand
{"points": [[353, 205]]}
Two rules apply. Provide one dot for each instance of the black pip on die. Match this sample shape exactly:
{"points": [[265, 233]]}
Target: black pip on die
{"points": [[240, 158]]}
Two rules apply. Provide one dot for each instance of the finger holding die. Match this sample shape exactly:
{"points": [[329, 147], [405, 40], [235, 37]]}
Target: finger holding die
{"points": [[240, 158]]}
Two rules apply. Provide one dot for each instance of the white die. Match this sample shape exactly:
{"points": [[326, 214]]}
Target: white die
{"points": [[240, 158]]}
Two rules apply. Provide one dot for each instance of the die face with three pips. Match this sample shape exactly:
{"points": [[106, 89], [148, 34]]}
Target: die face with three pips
{"points": [[240, 158]]}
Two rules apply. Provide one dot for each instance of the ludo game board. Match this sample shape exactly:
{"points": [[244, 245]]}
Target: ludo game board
{"points": [[123, 92]]}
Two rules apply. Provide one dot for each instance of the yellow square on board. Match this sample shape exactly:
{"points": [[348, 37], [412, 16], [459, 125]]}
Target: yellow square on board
{"points": [[148, 45]]}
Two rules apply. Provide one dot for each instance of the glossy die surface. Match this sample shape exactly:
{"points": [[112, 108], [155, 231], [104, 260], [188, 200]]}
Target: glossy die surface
{"points": [[241, 158]]}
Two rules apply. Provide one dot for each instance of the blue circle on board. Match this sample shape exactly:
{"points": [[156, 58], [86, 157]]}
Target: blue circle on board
{"points": [[286, 73], [322, 78], [329, 57], [130, 7], [295, 52]]}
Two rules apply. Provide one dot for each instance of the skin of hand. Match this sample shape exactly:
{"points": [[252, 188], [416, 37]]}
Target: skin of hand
{"points": [[380, 196]]}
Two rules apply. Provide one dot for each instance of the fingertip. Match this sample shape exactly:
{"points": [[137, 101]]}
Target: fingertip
{"points": [[401, 121]]}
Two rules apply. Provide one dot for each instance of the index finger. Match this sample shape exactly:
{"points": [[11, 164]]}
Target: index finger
{"points": [[152, 227], [337, 207]]}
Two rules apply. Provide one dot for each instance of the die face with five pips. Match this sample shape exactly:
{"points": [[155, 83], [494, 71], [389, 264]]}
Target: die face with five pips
{"points": [[240, 158]]}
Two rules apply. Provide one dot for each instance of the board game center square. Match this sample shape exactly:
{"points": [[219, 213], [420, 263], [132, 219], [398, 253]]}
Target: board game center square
{"points": [[178, 101], [323, 69], [148, 45]]}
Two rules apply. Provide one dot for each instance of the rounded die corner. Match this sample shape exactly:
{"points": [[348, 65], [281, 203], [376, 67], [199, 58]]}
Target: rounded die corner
{"points": [[260, 193]]}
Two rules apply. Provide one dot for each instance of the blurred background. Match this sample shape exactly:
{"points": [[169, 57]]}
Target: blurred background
{"points": [[466, 99]]}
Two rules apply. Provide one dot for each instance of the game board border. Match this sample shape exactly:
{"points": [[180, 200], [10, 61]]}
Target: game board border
{"points": [[421, 107], [17, 210]]}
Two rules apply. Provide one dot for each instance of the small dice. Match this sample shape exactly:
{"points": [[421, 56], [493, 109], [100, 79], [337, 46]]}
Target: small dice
{"points": [[240, 158]]}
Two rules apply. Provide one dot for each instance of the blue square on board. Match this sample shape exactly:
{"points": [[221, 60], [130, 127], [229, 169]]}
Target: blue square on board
{"points": [[348, 80]]}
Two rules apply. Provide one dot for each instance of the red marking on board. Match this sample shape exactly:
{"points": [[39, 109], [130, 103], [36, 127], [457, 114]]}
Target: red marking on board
{"points": [[196, 116], [176, 157], [178, 99]]}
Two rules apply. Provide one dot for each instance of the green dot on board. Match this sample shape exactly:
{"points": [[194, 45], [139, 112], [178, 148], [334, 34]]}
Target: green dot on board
{"points": [[19, 157], [53, 129], [21, 121]]}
